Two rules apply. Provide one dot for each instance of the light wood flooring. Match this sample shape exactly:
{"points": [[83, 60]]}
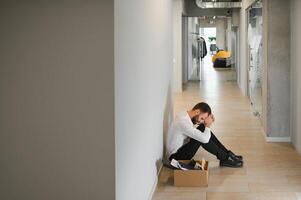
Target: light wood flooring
{"points": [[271, 170]]}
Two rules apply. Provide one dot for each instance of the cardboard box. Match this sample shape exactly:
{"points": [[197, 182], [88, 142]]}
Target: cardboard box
{"points": [[192, 178]]}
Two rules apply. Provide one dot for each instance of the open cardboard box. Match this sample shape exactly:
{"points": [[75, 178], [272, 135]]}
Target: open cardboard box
{"points": [[192, 178]]}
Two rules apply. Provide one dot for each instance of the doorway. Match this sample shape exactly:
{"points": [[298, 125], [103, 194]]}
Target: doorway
{"points": [[208, 34]]}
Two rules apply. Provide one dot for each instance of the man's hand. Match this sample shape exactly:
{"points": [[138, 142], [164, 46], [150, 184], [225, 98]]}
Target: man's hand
{"points": [[209, 120]]}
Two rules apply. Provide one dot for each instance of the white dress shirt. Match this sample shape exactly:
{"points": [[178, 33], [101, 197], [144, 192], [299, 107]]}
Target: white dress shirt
{"points": [[183, 128]]}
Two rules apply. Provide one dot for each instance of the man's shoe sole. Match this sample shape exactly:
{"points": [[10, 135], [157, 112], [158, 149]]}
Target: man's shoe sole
{"points": [[232, 166]]}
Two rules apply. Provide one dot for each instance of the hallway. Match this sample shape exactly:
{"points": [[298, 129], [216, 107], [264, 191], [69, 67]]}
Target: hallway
{"points": [[271, 170], [89, 90]]}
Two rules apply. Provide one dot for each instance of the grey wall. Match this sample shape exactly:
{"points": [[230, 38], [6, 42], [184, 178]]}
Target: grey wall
{"points": [[278, 69], [296, 73], [184, 49], [57, 100], [143, 88]]}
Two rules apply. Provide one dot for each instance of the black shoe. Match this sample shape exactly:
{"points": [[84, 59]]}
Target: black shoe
{"points": [[235, 157], [230, 162]]}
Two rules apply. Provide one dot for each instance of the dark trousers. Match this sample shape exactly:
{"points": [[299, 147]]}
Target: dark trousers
{"points": [[214, 146]]}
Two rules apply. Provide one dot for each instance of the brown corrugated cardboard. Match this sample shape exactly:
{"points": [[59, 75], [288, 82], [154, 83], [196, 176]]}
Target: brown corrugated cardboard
{"points": [[192, 178]]}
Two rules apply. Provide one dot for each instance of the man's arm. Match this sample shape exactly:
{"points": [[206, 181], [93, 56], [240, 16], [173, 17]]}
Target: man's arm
{"points": [[196, 134]]}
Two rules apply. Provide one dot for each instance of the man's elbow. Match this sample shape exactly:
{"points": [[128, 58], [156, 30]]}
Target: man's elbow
{"points": [[207, 139]]}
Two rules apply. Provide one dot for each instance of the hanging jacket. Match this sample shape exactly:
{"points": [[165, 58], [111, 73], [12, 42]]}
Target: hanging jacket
{"points": [[204, 48]]}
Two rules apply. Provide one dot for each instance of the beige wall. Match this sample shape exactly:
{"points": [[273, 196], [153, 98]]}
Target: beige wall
{"points": [[57, 100]]}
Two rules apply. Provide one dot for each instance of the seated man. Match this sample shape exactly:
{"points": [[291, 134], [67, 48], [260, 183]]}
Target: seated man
{"points": [[184, 139]]}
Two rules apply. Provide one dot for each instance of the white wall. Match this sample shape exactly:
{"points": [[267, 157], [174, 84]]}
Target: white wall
{"points": [[57, 100], [193, 66], [220, 33], [296, 73], [236, 17], [177, 44], [243, 47], [143, 89], [229, 34]]}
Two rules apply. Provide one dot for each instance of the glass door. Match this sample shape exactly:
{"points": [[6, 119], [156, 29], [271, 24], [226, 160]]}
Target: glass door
{"points": [[255, 56]]}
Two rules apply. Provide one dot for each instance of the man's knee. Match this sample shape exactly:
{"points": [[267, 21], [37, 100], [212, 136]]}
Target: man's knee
{"points": [[193, 142]]}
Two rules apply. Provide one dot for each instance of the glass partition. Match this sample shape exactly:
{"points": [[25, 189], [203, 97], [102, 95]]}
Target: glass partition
{"points": [[255, 56]]}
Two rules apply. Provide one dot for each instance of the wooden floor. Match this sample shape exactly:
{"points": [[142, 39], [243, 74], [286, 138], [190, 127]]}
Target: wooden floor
{"points": [[271, 170]]}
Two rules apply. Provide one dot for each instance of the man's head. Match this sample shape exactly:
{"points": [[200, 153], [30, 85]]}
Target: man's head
{"points": [[200, 112]]}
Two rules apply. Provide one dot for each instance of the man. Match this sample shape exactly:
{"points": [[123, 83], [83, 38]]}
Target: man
{"points": [[184, 139]]}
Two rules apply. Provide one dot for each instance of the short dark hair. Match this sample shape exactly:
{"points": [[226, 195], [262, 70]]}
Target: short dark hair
{"points": [[203, 107]]}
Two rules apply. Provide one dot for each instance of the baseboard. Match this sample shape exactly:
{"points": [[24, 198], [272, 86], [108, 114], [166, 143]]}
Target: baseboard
{"points": [[155, 183], [278, 139], [160, 168]]}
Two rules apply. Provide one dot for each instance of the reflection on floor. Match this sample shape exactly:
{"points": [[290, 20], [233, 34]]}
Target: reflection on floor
{"points": [[271, 170]]}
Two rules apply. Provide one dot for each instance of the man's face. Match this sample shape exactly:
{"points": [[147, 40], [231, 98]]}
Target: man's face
{"points": [[200, 117]]}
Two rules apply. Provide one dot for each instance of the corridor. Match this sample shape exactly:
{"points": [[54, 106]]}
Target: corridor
{"points": [[271, 170], [89, 90]]}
